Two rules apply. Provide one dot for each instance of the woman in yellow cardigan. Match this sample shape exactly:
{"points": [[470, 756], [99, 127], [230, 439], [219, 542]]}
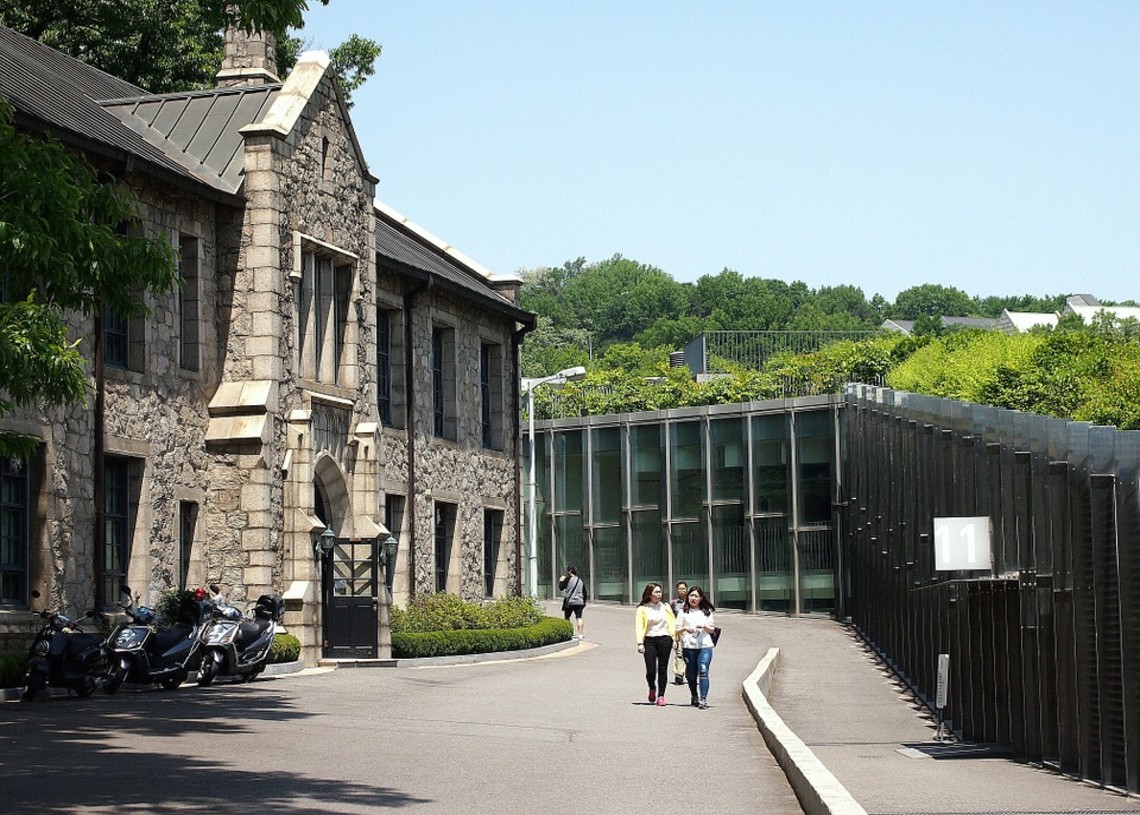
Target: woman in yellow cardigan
{"points": [[655, 629]]}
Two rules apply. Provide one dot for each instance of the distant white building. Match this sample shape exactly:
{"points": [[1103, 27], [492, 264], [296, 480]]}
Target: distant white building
{"points": [[1088, 307], [1016, 321]]}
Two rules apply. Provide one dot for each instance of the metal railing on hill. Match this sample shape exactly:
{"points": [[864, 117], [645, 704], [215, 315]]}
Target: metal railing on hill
{"points": [[751, 349]]}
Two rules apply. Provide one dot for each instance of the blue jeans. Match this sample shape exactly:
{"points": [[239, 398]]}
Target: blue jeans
{"points": [[697, 662]]}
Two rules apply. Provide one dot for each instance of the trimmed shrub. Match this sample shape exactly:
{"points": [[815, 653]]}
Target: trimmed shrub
{"points": [[447, 612], [12, 667], [285, 648], [408, 645]]}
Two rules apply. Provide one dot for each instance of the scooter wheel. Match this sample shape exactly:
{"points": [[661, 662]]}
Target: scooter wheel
{"points": [[86, 687], [115, 678], [34, 686], [207, 672]]}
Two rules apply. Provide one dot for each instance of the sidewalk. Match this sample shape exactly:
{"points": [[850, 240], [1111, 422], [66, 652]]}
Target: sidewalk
{"points": [[874, 738]]}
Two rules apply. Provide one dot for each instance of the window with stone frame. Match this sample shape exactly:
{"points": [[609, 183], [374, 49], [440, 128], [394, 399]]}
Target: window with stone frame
{"points": [[189, 304], [491, 395], [444, 422], [122, 479], [187, 526], [445, 515], [390, 367], [323, 302], [13, 532], [492, 539], [123, 337]]}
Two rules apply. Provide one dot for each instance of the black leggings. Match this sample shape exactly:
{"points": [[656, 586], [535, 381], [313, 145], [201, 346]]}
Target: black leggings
{"points": [[658, 651]]}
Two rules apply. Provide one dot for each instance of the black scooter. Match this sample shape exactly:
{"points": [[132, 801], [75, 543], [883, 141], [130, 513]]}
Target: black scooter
{"points": [[144, 654], [237, 646], [63, 655]]}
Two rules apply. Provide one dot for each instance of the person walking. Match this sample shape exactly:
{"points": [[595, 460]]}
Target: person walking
{"points": [[573, 598], [695, 626], [655, 630], [678, 604]]}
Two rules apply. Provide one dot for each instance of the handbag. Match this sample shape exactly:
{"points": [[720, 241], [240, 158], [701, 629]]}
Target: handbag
{"points": [[678, 662], [715, 635]]}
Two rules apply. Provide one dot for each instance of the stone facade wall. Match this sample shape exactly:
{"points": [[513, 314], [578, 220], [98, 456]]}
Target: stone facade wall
{"points": [[304, 188], [460, 472]]}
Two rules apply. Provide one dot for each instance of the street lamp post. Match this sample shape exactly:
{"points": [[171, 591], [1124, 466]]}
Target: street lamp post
{"points": [[529, 384]]}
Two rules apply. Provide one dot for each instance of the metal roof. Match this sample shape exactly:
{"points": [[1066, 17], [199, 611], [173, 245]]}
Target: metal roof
{"points": [[202, 126], [64, 96], [398, 244]]}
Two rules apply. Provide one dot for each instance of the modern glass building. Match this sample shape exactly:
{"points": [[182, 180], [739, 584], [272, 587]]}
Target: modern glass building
{"points": [[741, 499]]}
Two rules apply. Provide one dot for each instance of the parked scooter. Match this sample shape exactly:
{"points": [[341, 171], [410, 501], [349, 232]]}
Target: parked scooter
{"points": [[63, 655], [144, 654], [235, 645]]}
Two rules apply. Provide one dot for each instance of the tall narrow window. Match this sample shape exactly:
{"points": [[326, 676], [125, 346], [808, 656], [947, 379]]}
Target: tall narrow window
{"points": [[116, 340], [444, 531], [443, 382], [187, 523], [384, 365], [189, 311], [492, 538], [118, 519], [323, 302], [491, 395], [13, 532], [437, 381]]}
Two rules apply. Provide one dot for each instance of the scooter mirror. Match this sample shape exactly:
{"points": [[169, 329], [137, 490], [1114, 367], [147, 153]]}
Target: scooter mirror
{"points": [[36, 594], [124, 589], [215, 588]]}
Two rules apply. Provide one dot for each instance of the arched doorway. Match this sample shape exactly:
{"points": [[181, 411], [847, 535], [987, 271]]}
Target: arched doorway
{"points": [[349, 573]]}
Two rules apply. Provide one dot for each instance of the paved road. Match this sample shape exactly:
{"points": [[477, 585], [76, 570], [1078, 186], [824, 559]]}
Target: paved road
{"points": [[566, 733]]}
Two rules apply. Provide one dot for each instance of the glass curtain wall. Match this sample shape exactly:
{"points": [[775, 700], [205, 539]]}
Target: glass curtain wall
{"points": [[649, 544], [739, 502], [610, 565], [771, 526], [569, 475], [815, 455]]}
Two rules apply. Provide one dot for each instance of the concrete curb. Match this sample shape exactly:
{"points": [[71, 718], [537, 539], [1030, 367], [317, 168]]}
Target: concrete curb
{"points": [[819, 791], [283, 668], [493, 656]]}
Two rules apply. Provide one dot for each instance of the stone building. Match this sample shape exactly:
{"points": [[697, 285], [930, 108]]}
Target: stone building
{"points": [[326, 365]]}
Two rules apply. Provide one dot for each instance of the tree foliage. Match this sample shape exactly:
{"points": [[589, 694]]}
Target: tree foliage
{"points": [[175, 45], [63, 249]]}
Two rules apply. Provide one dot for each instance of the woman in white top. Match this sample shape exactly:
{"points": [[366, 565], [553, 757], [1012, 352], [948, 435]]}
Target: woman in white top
{"points": [[695, 626], [654, 628]]}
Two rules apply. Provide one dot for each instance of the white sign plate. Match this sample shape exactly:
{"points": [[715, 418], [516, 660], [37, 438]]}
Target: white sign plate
{"points": [[961, 544]]}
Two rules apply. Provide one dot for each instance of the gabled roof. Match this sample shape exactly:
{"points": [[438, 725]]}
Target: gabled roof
{"points": [[200, 129], [901, 326], [410, 249], [58, 93], [1025, 320]]}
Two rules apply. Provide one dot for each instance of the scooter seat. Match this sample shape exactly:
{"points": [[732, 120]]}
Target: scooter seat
{"points": [[250, 631], [167, 638]]}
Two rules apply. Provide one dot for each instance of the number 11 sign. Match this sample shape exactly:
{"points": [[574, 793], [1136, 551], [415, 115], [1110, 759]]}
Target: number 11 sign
{"points": [[961, 544]]}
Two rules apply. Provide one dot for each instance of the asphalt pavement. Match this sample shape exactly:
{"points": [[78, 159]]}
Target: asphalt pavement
{"points": [[561, 732]]}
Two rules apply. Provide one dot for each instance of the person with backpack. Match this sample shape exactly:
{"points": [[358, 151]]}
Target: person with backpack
{"points": [[574, 596]]}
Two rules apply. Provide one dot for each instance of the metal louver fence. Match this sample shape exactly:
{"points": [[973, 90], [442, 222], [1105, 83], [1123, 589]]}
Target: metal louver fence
{"points": [[1045, 646]]}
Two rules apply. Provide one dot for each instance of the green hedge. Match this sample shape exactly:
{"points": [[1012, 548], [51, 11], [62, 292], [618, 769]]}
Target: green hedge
{"points": [[449, 612], [12, 667], [408, 645], [285, 648]]}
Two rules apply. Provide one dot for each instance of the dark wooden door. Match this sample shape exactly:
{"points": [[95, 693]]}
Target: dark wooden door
{"points": [[350, 600]]}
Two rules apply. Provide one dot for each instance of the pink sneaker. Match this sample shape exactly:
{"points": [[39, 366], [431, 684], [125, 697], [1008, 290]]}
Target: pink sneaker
{"points": [[660, 701]]}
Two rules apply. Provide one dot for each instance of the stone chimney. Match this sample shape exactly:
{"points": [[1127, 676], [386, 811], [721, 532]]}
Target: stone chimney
{"points": [[250, 59]]}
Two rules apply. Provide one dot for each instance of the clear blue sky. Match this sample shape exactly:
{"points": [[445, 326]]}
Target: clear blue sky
{"points": [[993, 146]]}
